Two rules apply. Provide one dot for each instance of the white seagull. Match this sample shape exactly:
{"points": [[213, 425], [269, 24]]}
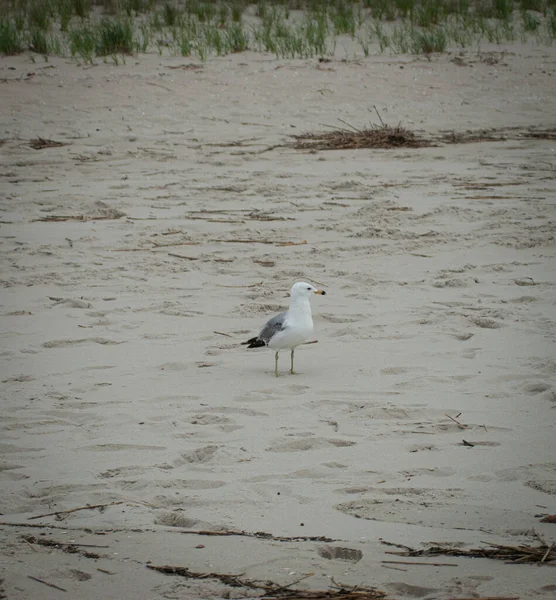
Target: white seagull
{"points": [[291, 328]]}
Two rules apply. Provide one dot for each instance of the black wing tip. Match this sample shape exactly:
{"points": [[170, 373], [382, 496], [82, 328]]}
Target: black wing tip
{"points": [[253, 343]]}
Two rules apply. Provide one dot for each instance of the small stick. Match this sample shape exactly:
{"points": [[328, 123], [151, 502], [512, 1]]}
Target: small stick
{"points": [[312, 342], [248, 241], [409, 548], [240, 286], [489, 598], [31, 546], [274, 591], [105, 571], [56, 587], [156, 245], [349, 125], [220, 211], [181, 256], [469, 444], [241, 241], [395, 568], [83, 545], [131, 249], [378, 115], [71, 510], [406, 562], [220, 333], [335, 127], [547, 552], [460, 425]]}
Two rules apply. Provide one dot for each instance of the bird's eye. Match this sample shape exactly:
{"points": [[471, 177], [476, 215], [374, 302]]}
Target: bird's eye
{"points": [[309, 289]]}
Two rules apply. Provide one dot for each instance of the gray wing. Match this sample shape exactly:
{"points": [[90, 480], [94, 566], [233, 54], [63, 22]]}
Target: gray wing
{"points": [[272, 327]]}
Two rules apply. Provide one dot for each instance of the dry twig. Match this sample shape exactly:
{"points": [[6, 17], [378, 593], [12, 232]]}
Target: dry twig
{"points": [[56, 587], [274, 590], [260, 535], [542, 554], [460, 425], [71, 510], [68, 548], [408, 562]]}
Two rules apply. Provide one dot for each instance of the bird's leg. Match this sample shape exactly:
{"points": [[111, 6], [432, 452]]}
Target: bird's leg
{"points": [[276, 364], [291, 369]]}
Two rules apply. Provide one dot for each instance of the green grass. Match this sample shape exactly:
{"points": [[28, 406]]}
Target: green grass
{"points": [[286, 28], [115, 36], [10, 37], [39, 42], [83, 43]]}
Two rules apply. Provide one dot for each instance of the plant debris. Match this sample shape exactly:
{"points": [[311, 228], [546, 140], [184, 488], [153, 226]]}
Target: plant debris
{"points": [[68, 548], [549, 519], [262, 535], [375, 136], [542, 554], [72, 510], [40, 143], [275, 590], [383, 136]]}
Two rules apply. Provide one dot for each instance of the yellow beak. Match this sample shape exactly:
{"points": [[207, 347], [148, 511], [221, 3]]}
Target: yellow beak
{"points": [[321, 292]]}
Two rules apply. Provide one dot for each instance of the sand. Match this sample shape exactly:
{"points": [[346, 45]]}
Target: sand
{"points": [[138, 255]]}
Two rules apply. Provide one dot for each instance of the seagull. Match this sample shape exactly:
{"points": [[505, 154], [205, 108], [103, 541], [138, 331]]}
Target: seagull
{"points": [[291, 328]]}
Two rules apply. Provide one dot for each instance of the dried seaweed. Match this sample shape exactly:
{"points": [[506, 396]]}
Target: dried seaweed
{"points": [[384, 136], [68, 548], [262, 535], [274, 590], [542, 553], [40, 143], [374, 136]]}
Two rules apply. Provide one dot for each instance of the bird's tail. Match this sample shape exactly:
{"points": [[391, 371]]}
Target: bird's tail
{"points": [[253, 343]]}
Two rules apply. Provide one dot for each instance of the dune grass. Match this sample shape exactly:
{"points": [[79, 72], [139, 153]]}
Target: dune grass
{"points": [[88, 29]]}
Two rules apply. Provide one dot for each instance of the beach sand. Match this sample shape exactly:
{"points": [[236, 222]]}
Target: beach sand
{"points": [[167, 228]]}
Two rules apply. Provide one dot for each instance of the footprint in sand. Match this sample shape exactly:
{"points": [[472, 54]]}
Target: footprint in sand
{"points": [[337, 553], [485, 322], [212, 454], [208, 419], [542, 389], [307, 444]]}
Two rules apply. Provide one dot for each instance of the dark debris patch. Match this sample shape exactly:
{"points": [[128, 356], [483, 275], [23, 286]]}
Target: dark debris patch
{"points": [[541, 554], [375, 136], [385, 137], [40, 143], [276, 590]]}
